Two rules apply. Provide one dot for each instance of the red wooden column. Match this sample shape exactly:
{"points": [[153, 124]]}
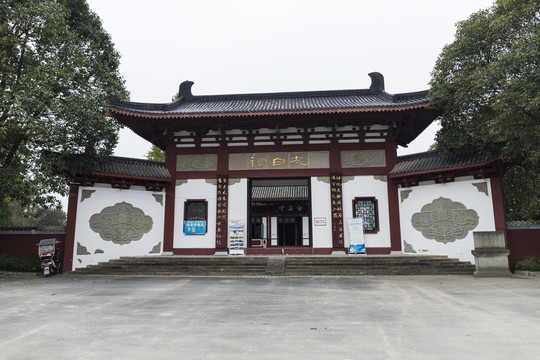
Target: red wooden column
{"points": [[168, 232], [498, 206], [70, 228], [336, 197], [393, 198]]}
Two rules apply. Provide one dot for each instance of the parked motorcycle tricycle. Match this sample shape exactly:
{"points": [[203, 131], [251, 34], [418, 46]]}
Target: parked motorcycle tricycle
{"points": [[47, 251]]}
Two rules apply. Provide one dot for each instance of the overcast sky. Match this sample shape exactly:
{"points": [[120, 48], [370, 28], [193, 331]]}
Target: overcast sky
{"points": [[249, 46]]}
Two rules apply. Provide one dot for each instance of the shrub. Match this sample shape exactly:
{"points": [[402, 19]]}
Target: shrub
{"points": [[19, 263], [529, 264]]}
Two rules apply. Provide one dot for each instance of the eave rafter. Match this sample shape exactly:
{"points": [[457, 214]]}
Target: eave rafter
{"points": [[282, 130], [273, 129]]}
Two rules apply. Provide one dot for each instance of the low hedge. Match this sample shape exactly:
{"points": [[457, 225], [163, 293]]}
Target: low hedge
{"points": [[20, 263], [529, 264]]}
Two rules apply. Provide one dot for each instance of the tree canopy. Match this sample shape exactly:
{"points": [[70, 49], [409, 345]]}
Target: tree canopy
{"points": [[487, 82], [156, 154], [57, 68], [487, 86]]}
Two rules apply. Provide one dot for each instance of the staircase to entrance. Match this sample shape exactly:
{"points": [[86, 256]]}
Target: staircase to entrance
{"points": [[281, 266]]}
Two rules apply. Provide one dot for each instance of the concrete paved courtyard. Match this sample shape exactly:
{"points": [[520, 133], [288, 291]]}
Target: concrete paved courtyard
{"points": [[424, 317]]}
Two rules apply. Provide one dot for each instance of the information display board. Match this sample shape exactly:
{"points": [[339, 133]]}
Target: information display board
{"points": [[357, 244], [193, 227], [236, 238]]}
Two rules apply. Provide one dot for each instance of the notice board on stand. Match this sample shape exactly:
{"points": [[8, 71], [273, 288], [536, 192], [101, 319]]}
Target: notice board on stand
{"points": [[236, 238], [357, 243]]}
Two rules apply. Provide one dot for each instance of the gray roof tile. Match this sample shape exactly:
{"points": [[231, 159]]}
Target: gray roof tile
{"points": [[373, 99], [290, 192], [115, 165], [434, 160]]}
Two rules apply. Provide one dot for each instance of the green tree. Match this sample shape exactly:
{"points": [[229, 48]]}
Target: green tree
{"points": [[57, 68], [487, 85], [156, 154]]}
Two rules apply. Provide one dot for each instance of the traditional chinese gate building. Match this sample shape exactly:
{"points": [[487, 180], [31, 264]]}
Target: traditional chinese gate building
{"points": [[291, 168]]}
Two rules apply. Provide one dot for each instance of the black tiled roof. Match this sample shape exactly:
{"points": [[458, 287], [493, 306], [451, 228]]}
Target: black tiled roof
{"points": [[290, 192], [434, 160], [114, 165], [372, 99]]}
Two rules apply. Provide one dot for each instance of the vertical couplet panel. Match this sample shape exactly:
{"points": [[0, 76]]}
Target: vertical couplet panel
{"points": [[337, 211], [221, 212]]}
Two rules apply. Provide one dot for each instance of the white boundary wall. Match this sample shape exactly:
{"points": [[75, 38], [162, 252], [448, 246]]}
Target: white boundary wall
{"points": [[462, 191], [89, 248]]}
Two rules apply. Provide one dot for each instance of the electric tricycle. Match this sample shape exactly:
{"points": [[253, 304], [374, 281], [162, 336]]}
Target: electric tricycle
{"points": [[47, 251]]}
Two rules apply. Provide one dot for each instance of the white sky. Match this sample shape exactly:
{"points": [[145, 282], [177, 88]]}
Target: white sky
{"points": [[249, 46]]}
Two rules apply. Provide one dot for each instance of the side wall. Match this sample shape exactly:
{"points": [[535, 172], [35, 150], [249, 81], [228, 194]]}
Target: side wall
{"points": [[522, 243], [368, 186], [126, 223], [195, 189], [321, 212], [19, 243], [439, 219]]}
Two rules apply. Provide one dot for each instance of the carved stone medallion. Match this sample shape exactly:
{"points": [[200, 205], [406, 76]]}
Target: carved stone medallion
{"points": [[121, 223], [445, 220]]}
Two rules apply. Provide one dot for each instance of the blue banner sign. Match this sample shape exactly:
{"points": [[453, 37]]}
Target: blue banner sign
{"points": [[194, 227]]}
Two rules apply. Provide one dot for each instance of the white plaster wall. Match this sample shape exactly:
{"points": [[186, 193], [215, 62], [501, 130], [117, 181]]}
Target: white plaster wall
{"points": [[321, 208], [237, 209], [104, 196], [195, 189], [368, 186], [461, 191]]}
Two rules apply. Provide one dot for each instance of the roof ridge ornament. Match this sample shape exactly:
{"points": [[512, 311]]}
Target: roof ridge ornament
{"points": [[184, 92], [377, 82]]}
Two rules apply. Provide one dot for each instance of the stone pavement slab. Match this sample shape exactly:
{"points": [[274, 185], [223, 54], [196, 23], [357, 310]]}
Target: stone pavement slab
{"points": [[372, 317]]}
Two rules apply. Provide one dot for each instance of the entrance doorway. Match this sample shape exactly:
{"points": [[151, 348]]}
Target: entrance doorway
{"points": [[289, 231], [279, 213]]}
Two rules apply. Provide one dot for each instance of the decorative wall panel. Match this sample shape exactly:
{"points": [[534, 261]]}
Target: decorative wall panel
{"points": [[121, 223], [445, 220], [482, 187], [85, 194], [363, 158], [196, 162], [405, 194]]}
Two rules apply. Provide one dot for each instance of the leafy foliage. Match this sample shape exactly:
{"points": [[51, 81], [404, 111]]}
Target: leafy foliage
{"points": [[57, 68], [529, 264], [156, 154], [521, 193], [487, 82], [19, 263], [487, 85]]}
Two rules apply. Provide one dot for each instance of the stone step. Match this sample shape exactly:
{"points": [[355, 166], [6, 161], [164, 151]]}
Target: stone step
{"points": [[281, 266]]}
